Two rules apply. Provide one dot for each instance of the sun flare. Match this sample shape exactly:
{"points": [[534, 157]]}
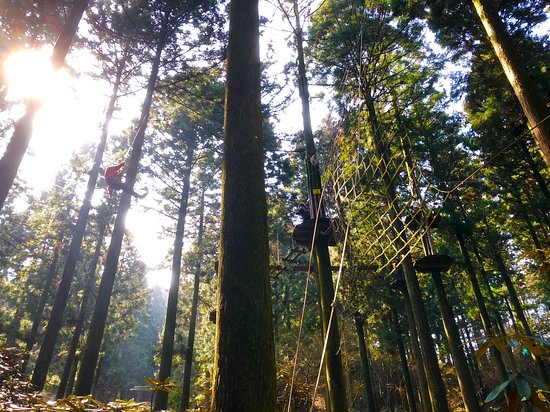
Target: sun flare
{"points": [[30, 74]]}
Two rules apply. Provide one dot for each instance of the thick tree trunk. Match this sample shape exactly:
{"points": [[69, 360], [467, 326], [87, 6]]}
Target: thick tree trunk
{"points": [[56, 318], [530, 98], [369, 392], [411, 402], [334, 371], [10, 161], [99, 316], [70, 363], [244, 362], [165, 368], [186, 387]]}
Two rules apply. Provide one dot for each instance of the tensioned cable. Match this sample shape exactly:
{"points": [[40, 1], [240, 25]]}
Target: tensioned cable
{"points": [[310, 260]]}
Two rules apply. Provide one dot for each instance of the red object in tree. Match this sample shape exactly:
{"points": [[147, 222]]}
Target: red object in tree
{"points": [[113, 173]]}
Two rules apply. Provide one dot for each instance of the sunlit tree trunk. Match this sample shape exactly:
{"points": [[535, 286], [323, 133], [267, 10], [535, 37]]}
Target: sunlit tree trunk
{"points": [[165, 368], [56, 317], [99, 316], [530, 98], [10, 161]]}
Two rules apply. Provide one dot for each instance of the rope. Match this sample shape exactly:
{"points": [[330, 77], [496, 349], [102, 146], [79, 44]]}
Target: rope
{"points": [[333, 306]]}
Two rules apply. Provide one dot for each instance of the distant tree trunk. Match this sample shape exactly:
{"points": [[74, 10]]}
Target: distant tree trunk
{"points": [[436, 386], [244, 362], [334, 371], [39, 313], [99, 316], [70, 363], [165, 368], [56, 317], [186, 387], [411, 402], [543, 186], [480, 300], [369, 392], [530, 98], [10, 161], [520, 314], [460, 362], [417, 354]]}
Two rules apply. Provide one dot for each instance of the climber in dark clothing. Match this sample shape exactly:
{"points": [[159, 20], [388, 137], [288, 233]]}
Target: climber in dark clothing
{"points": [[113, 178]]}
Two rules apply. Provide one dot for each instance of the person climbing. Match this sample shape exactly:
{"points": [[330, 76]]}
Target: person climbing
{"points": [[303, 210], [113, 178]]}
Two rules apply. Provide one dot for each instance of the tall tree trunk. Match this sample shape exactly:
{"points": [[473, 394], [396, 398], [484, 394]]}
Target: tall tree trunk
{"points": [[56, 318], [411, 402], [530, 98], [99, 316], [186, 387], [534, 169], [520, 314], [10, 161], [244, 362], [39, 313], [71, 361], [483, 312], [334, 371], [460, 362], [165, 368], [436, 386], [369, 392], [417, 354]]}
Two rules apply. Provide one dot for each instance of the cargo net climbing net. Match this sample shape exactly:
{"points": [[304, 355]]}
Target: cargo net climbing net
{"points": [[377, 186]]}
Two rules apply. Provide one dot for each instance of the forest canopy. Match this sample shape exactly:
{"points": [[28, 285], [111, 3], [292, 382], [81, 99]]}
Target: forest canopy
{"points": [[287, 205]]}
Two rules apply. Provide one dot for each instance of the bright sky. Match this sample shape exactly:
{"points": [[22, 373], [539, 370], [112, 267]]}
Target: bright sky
{"points": [[71, 116]]}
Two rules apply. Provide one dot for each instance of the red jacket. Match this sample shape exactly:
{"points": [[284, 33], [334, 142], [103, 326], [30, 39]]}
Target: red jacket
{"points": [[113, 171]]}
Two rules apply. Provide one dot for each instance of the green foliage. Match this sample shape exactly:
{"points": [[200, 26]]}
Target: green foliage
{"points": [[16, 393]]}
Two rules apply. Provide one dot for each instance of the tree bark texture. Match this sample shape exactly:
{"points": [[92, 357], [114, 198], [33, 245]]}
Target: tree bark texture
{"points": [[244, 361], [530, 98], [11, 160]]}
